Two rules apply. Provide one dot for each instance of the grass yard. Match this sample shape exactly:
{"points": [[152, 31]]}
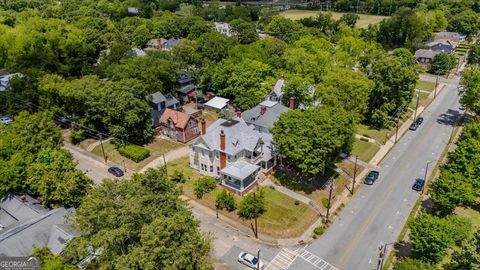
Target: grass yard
{"points": [[380, 135], [210, 116], [472, 214], [364, 150], [85, 143], [283, 219], [349, 167], [425, 86], [364, 21], [157, 148], [413, 103]]}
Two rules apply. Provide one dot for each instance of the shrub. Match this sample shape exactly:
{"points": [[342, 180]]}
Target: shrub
{"points": [[76, 136], [297, 202], [325, 202], [412, 264], [134, 152], [203, 186], [319, 230], [178, 177]]}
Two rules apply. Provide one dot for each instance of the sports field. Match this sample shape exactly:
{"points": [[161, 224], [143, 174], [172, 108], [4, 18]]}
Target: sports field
{"points": [[364, 21]]}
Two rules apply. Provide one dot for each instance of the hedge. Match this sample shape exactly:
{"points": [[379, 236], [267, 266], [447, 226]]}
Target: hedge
{"points": [[134, 152]]}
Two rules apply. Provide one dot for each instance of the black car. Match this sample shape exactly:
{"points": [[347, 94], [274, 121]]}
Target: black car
{"points": [[115, 171], [414, 126], [419, 120], [418, 185], [371, 177]]}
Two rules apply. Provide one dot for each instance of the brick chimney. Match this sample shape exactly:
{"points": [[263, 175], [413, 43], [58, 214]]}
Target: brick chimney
{"points": [[263, 109], [239, 114], [204, 126], [292, 103], [23, 198], [223, 156]]}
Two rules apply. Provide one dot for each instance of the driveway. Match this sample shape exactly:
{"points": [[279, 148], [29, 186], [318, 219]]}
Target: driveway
{"points": [[376, 214]]}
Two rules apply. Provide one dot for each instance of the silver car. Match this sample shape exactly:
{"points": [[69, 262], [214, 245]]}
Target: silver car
{"points": [[250, 260], [6, 120]]}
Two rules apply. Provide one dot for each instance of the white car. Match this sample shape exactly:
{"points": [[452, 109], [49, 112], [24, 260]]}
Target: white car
{"points": [[6, 120], [250, 260]]}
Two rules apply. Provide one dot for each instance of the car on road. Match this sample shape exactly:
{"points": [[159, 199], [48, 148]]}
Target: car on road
{"points": [[250, 260], [6, 120], [414, 126], [371, 177], [418, 185], [419, 120], [115, 171]]}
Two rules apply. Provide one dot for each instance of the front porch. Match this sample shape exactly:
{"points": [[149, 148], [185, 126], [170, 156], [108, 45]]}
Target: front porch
{"points": [[239, 177]]}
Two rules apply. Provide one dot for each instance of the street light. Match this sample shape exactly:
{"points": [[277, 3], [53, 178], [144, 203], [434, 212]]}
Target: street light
{"points": [[426, 171], [416, 106]]}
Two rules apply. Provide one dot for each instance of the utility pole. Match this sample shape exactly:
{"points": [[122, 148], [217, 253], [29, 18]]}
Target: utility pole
{"points": [[103, 150], [416, 106], [256, 226], [124, 167], [329, 202], [425, 177], [258, 258], [436, 85], [354, 174]]}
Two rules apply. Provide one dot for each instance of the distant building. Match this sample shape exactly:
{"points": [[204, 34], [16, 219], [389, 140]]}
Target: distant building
{"points": [[233, 152], [179, 126], [162, 44], [223, 28], [425, 57], [25, 223], [264, 115], [457, 37], [277, 90], [442, 45], [161, 102], [133, 11], [187, 90], [217, 104]]}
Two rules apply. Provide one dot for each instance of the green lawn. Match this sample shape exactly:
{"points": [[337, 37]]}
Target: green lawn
{"points": [[364, 150], [157, 149], [413, 103], [425, 86], [472, 214], [380, 135], [364, 21], [283, 219]]}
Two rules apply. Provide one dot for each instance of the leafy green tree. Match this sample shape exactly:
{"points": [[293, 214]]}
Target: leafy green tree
{"points": [[345, 88], [225, 200], [452, 190], [412, 264], [178, 177], [203, 186], [349, 19], [213, 46], [466, 22], [252, 207], [185, 53], [48, 261], [301, 88], [284, 29], [139, 224], [394, 83], [471, 84], [245, 32], [431, 237], [313, 138], [468, 257], [53, 176], [443, 62], [473, 57]]}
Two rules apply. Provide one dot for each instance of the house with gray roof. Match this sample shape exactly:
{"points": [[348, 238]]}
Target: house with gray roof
{"points": [[25, 223], [264, 115], [425, 56], [159, 103], [450, 35], [233, 152]]}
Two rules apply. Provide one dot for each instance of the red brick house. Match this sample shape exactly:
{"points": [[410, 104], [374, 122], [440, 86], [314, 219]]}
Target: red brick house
{"points": [[179, 126]]}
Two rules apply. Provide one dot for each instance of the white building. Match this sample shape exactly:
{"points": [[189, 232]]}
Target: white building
{"points": [[223, 28]]}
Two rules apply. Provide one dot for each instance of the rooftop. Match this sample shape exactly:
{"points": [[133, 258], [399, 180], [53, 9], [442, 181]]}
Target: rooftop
{"points": [[180, 119], [272, 111], [240, 169], [217, 102]]}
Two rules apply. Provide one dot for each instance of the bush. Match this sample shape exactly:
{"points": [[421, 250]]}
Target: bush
{"points": [[178, 177], [325, 202], [203, 186], [134, 152], [76, 136], [319, 230], [412, 264], [297, 202]]}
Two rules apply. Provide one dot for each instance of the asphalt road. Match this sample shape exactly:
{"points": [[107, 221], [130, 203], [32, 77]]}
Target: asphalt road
{"points": [[376, 214]]}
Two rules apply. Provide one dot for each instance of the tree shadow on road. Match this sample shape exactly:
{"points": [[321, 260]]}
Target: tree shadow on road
{"points": [[450, 118]]}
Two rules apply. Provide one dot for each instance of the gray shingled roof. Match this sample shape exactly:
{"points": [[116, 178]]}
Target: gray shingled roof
{"points": [[273, 110], [158, 97], [34, 225], [425, 53], [240, 169]]}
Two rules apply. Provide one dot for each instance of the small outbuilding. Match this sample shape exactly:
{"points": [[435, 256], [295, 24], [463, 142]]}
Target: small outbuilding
{"points": [[217, 104]]}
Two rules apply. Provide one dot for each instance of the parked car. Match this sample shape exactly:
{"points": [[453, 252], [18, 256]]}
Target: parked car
{"points": [[418, 185], [115, 171], [414, 126], [419, 120], [250, 260], [371, 177], [6, 120]]}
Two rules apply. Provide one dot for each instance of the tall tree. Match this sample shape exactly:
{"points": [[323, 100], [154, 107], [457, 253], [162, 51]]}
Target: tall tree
{"points": [[468, 257], [443, 62], [471, 84]]}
